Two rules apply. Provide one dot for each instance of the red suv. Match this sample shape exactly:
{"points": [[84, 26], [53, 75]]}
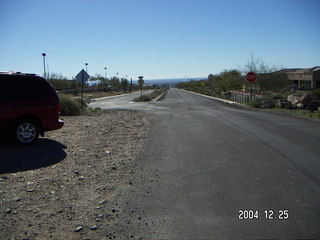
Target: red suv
{"points": [[29, 106]]}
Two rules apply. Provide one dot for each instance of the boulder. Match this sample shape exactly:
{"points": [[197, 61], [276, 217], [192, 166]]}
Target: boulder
{"points": [[295, 98], [314, 105], [266, 104], [302, 100], [282, 103], [309, 98]]}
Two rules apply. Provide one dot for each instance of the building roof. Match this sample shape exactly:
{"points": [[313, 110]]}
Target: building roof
{"points": [[298, 70]]}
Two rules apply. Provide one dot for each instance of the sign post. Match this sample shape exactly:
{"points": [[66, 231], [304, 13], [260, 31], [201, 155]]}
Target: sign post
{"points": [[82, 77], [251, 77], [140, 82]]}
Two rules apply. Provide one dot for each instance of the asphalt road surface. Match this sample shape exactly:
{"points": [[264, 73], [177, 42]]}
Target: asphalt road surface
{"points": [[213, 171]]}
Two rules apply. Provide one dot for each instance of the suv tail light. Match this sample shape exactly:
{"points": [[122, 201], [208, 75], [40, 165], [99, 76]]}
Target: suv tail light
{"points": [[59, 108]]}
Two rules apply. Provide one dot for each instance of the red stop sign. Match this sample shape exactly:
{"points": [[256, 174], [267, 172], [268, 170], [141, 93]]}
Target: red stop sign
{"points": [[251, 77]]}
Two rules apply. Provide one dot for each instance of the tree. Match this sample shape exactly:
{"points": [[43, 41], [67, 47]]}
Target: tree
{"points": [[268, 76], [227, 80], [210, 77], [59, 81], [102, 82], [124, 84], [114, 83], [57, 76]]}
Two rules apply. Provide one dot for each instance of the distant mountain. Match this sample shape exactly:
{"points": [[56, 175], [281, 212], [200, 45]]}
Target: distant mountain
{"points": [[169, 81], [166, 81]]}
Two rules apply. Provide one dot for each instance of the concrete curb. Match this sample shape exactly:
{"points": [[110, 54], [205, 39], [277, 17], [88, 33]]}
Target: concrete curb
{"points": [[159, 97]]}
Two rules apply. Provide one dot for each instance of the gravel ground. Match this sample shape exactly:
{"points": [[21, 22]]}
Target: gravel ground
{"points": [[66, 185]]}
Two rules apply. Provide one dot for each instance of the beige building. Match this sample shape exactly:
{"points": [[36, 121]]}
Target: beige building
{"points": [[304, 77]]}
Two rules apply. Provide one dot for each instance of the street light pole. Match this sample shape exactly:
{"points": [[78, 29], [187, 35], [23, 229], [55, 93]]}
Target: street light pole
{"points": [[105, 79], [131, 85], [44, 64], [86, 67]]}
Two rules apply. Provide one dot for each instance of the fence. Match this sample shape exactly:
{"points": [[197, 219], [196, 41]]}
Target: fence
{"points": [[242, 97]]}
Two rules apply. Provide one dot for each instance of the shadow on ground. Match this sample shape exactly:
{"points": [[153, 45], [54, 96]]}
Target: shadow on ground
{"points": [[44, 153]]}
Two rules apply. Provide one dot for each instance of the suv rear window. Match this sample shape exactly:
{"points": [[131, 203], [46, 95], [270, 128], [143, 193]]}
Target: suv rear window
{"points": [[19, 88]]}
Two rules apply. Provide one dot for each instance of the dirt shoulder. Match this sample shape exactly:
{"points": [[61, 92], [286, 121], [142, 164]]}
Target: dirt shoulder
{"points": [[64, 187]]}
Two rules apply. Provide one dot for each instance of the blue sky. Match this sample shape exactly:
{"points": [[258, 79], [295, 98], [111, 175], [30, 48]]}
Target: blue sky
{"points": [[157, 38]]}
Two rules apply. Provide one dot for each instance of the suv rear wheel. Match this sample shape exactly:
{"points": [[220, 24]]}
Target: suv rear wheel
{"points": [[26, 132]]}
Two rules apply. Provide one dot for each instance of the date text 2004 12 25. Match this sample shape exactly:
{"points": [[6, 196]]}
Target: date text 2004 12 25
{"points": [[282, 214]]}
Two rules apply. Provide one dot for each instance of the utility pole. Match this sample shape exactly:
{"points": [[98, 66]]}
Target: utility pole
{"points": [[44, 64]]}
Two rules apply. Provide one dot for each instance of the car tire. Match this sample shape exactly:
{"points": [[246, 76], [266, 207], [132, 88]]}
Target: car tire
{"points": [[26, 132]]}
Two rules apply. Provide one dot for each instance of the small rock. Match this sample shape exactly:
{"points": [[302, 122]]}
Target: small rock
{"points": [[76, 172], [139, 217], [114, 168], [78, 229], [94, 227], [8, 210], [130, 183], [30, 190], [102, 202], [81, 178], [113, 210]]}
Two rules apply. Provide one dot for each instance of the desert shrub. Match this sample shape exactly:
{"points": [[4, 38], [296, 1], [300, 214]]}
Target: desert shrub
{"points": [[278, 96], [262, 103], [288, 106], [255, 103], [69, 107], [81, 102]]}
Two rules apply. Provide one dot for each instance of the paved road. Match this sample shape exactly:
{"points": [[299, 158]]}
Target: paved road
{"points": [[205, 161]]}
